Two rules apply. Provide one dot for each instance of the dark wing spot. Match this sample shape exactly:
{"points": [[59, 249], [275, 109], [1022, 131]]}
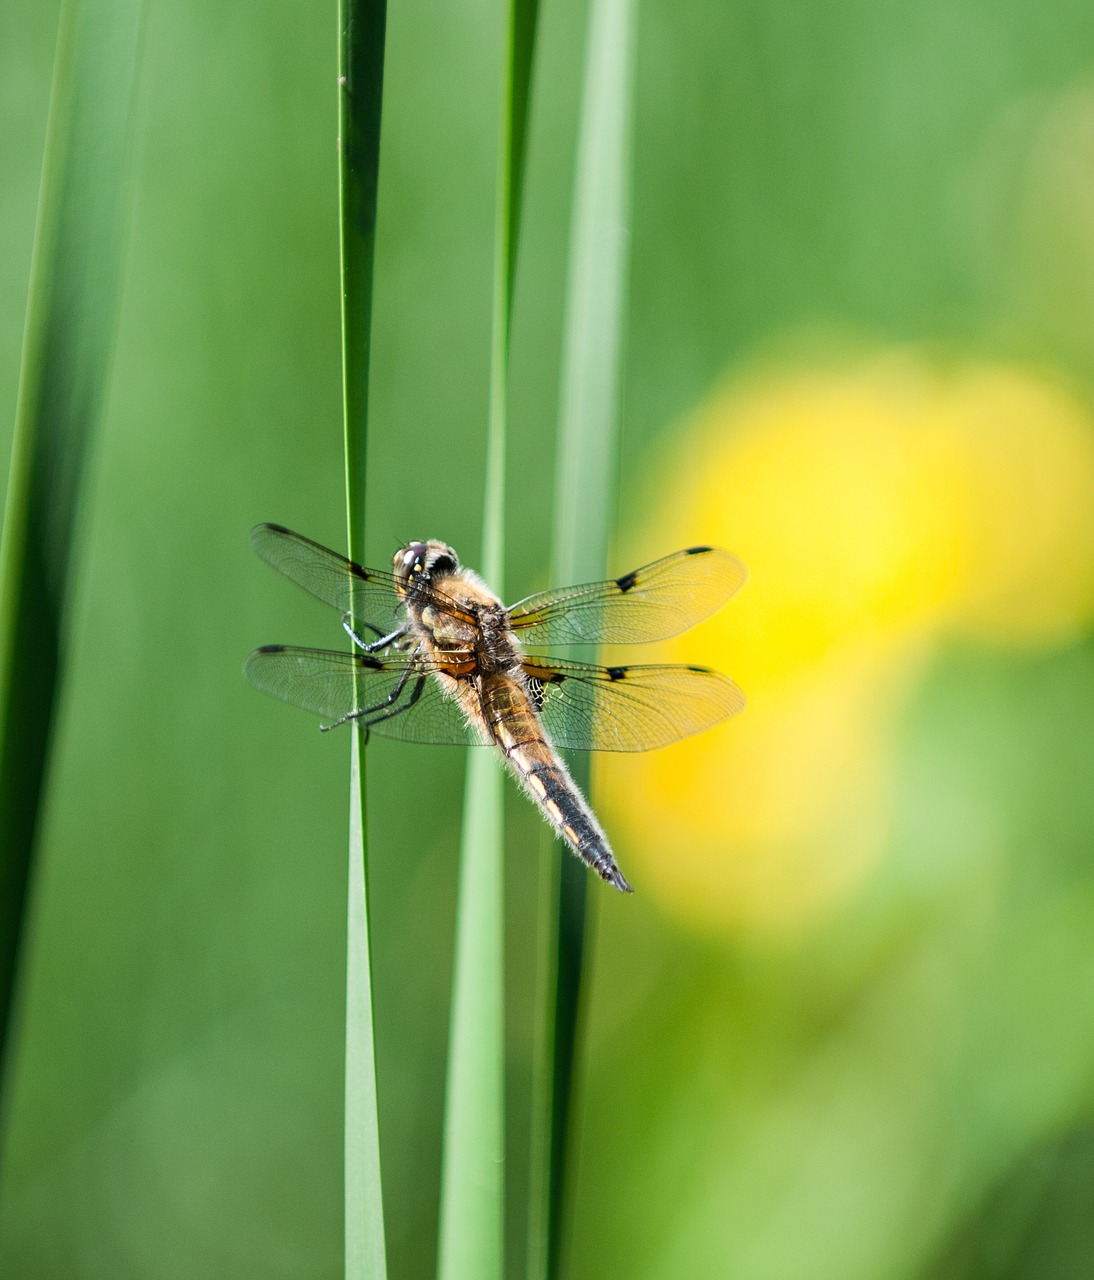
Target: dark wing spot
{"points": [[627, 582], [557, 677], [616, 673], [697, 551]]}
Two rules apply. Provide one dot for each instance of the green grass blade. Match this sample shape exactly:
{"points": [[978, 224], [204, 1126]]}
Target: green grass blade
{"points": [[586, 481], [74, 295], [366, 1257], [525, 20], [472, 1176], [471, 1244], [362, 25]]}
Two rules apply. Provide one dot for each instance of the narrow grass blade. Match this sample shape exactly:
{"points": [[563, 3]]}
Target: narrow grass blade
{"points": [[74, 294], [471, 1244], [586, 483], [525, 20], [362, 25], [366, 1257]]}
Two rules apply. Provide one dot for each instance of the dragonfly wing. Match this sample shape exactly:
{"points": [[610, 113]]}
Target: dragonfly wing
{"points": [[589, 708], [402, 698], [369, 594], [652, 603]]}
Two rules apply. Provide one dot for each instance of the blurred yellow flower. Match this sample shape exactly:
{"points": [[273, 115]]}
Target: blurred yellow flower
{"points": [[878, 508]]}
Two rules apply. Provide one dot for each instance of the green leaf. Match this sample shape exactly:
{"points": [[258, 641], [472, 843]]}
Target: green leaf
{"points": [[472, 1174], [362, 25], [71, 316], [365, 1250], [471, 1243], [585, 487]]}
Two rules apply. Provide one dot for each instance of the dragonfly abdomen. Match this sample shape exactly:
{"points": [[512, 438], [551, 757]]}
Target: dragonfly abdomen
{"points": [[520, 738]]}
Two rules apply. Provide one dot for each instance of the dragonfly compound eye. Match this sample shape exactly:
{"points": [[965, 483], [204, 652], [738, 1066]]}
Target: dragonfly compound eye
{"points": [[410, 562]]}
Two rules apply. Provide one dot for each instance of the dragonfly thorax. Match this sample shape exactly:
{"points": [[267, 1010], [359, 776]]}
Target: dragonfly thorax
{"points": [[496, 648]]}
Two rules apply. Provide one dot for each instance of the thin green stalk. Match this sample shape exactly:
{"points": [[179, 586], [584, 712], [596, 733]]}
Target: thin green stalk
{"points": [[471, 1241], [362, 26], [586, 481], [71, 318]]}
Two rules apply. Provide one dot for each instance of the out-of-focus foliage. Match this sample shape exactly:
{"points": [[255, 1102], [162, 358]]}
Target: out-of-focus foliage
{"points": [[844, 1027]]}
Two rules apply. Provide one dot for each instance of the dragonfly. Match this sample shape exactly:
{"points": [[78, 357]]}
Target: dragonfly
{"points": [[437, 658]]}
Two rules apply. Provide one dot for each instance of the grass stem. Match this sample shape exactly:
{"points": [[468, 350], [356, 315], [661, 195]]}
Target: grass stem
{"points": [[585, 493], [471, 1244], [362, 28]]}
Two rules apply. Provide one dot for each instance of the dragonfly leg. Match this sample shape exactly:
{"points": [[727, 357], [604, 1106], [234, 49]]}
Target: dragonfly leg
{"points": [[370, 646], [391, 712], [347, 624], [387, 708]]}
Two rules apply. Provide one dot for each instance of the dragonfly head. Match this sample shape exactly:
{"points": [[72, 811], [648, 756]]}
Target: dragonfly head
{"points": [[422, 562]]}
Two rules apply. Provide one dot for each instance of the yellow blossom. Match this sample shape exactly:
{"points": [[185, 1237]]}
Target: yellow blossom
{"points": [[878, 508]]}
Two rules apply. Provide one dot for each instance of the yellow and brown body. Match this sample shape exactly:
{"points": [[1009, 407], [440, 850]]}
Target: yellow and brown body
{"points": [[472, 650]]}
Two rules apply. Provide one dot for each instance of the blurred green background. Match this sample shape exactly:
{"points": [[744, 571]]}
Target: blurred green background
{"points": [[897, 1080]]}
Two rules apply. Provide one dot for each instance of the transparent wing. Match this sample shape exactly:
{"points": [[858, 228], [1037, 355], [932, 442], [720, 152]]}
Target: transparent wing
{"points": [[652, 603], [369, 594], [591, 708], [399, 703]]}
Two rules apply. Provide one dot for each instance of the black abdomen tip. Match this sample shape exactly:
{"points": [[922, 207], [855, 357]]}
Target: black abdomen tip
{"points": [[610, 872]]}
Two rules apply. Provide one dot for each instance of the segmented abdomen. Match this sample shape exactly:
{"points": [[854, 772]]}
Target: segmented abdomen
{"points": [[519, 736]]}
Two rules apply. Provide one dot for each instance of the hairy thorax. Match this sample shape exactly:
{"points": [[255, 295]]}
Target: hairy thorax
{"points": [[476, 639]]}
